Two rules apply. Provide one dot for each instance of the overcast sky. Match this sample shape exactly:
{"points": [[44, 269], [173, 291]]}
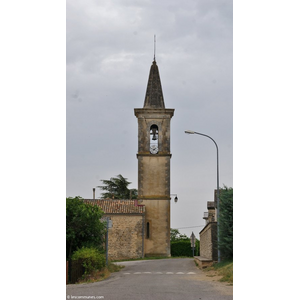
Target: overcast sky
{"points": [[110, 48], [109, 54]]}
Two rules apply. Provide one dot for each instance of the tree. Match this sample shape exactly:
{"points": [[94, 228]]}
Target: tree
{"points": [[226, 223], [117, 188], [83, 225], [176, 235]]}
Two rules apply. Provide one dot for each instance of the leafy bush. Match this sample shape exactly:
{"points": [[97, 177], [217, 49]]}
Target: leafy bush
{"points": [[183, 248], [83, 225], [91, 259]]}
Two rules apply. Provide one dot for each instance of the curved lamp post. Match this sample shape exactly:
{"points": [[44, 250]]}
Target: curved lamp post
{"points": [[218, 190]]}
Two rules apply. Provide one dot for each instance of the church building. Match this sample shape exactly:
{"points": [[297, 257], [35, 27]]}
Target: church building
{"points": [[142, 227], [154, 157]]}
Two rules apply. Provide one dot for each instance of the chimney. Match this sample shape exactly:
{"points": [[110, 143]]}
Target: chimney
{"points": [[94, 193]]}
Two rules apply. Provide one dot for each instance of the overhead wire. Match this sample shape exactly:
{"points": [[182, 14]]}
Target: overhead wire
{"points": [[189, 227]]}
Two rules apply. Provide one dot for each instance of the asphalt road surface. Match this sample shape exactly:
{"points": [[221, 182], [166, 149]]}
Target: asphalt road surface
{"points": [[161, 279]]}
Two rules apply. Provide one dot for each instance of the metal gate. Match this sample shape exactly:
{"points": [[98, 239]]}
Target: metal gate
{"points": [[75, 270]]}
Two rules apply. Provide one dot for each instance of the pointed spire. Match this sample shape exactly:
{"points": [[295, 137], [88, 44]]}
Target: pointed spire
{"points": [[154, 95]]}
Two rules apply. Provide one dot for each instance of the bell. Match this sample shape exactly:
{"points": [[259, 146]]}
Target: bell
{"points": [[154, 138]]}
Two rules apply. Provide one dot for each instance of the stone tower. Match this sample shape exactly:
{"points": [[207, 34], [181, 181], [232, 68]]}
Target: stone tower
{"points": [[154, 166]]}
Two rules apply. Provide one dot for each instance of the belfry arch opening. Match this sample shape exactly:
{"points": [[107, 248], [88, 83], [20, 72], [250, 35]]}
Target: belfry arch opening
{"points": [[154, 137]]}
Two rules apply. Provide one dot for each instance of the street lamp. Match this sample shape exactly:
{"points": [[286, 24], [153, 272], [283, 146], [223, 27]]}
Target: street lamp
{"points": [[176, 198], [218, 190]]}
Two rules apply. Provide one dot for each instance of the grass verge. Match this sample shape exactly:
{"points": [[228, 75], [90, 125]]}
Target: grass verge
{"points": [[224, 269], [99, 275]]}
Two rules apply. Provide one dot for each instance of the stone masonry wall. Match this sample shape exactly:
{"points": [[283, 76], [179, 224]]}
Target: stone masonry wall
{"points": [[125, 238], [158, 217], [208, 241]]}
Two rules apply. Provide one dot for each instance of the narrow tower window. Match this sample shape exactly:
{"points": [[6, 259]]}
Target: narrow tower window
{"points": [[148, 231], [153, 139]]}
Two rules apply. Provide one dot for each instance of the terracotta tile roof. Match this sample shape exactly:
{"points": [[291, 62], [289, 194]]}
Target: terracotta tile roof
{"points": [[113, 206]]}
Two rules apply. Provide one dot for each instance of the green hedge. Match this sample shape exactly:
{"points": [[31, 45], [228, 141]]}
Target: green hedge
{"points": [[91, 259], [183, 248], [226, 223]]}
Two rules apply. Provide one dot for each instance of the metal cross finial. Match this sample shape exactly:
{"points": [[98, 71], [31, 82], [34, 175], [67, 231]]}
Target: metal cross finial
{"points": [[154, 46]]}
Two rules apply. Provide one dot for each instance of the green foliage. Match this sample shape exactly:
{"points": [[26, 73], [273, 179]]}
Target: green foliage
{"points": [[176, 235], [183, 248], [226, 223], [225, 269], [91, 259], [222, 264], [83, 225], [117, 188], [181, 244]]}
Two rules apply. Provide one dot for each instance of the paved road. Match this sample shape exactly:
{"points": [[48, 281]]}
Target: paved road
{"points": [[163, 279]]}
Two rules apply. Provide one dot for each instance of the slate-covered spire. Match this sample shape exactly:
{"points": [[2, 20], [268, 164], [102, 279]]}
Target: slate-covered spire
{"points": [[154, 95]]}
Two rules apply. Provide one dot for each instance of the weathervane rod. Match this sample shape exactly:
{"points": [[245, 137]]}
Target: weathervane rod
{"points": [[154, 46]]}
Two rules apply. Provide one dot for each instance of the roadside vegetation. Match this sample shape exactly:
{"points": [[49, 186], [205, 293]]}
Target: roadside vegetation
{"points": [[99, 275], [224, 269], [226, 223], [181, 245], [84, 227], [88, 265], [84, 241]]}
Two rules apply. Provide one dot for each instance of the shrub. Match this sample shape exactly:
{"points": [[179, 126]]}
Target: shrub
{"points": [[84, 227], [183, 248], [91, 259]]}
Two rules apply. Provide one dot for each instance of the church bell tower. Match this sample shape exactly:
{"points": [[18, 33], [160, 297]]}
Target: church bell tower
{"points": [[154, 166]]}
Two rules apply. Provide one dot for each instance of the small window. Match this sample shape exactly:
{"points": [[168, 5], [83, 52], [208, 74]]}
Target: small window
{"points": [[148, 231]]}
